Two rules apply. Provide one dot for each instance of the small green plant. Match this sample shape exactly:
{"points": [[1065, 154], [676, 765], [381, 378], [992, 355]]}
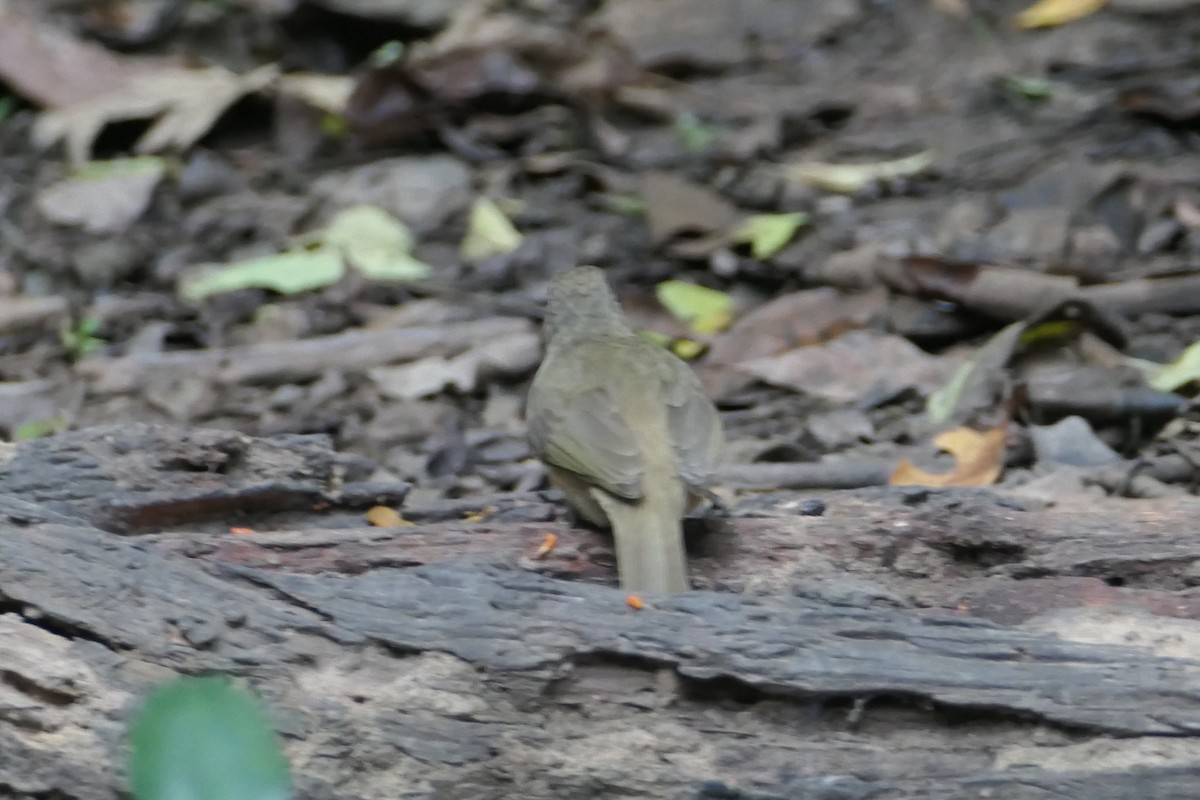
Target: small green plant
{"points": [[205, 739], [80, 339]]}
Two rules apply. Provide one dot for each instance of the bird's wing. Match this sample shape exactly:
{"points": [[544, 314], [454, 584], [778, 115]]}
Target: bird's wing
{"points": [[581, 431], [693, 425]]}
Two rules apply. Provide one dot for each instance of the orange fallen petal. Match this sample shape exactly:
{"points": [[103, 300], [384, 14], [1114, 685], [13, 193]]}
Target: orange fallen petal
{"points": [[635, 602], [547, 545], [241, 531]]}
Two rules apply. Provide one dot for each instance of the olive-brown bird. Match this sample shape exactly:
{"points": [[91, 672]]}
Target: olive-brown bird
{"points": [[624, 428]]}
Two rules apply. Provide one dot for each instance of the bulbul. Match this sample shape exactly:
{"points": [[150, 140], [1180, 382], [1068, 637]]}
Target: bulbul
{"points": [[624, 429]]}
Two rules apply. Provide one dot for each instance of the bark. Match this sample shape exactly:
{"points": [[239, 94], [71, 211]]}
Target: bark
{"points": [[844, 655]]}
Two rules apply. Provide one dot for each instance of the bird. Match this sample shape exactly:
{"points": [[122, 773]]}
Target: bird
{"points": [[624, 428]]}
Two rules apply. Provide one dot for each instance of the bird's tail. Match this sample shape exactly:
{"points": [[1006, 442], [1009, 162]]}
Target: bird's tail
{"points": [[649, 540]]}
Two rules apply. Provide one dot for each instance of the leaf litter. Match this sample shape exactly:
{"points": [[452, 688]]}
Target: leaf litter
{"points": [[868, 258], [364, 238]]}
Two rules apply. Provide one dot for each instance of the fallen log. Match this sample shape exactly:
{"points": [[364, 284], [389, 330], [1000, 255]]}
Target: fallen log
{"points": [[438, 660]]}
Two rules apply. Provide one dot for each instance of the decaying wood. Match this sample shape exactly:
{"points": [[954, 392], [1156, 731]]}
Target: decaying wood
{"points": [[439, 662], [20, 312], [293, 361], [844, 474]]}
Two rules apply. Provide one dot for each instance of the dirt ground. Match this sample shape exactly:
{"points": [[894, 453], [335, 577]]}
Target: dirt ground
{"points": [[952, 256]]}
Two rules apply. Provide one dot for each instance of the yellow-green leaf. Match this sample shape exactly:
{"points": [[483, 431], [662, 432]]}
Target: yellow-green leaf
{"points": [[292, 272], [767, 234], [122, 167], [489, 233], [375, 243], [1055, 12], [850, 178], [1180, 372], [704, 310], [655, 337], [688, 349], [1049, 331]]}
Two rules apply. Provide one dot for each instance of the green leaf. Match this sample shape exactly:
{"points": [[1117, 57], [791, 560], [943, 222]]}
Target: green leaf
{"points": [[291, 272], [40, 428], [204, 739], [1028, 88], [1180, 372], [375, 243], [489, 233], [767, 234], [705, 310], [695, 135]]}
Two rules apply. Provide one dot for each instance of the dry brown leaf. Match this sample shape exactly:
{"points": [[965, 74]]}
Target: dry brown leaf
{"points": [[953, 8], [328, 93], [479, 25], [1187, 213], [718, 33], [853, 366], [979, 459], [107, 198], [52, 68], [185, 104], [675, 207], [1002, 292], [798, 319]]}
